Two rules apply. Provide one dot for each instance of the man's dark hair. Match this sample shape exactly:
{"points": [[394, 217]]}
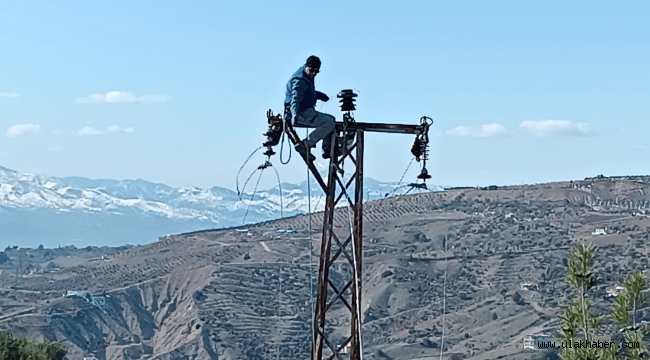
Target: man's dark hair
{"points": [[313, 61]]}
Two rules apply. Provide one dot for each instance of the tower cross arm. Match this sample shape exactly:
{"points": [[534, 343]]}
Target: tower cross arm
{"points": [[379, 127]]}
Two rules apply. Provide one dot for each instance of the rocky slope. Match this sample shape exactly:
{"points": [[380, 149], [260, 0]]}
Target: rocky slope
{"points": [[245, 294]]}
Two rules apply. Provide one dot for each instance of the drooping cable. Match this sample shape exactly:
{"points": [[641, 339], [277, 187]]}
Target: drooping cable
{"points": [[240, 169], [284, 131], [277, 175], [356, 274], [400, 180], [444, 304], [252, 196], [279, 303], [280, 189], [246, 183], [311, 250]]}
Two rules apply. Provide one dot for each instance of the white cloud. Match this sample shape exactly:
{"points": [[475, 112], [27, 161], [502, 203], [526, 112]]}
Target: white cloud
{"points": [[484, 130], [20, 129], [12, 94], [118, 129], [113, 129], [121, 97], [544, 128], [89, 130]]}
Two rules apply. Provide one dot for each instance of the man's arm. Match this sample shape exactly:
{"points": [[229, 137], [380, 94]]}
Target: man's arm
{"points": [[321, 96], [298, 88]]}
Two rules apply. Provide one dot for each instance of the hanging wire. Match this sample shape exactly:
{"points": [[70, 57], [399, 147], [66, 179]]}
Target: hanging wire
{"points": [[400, 180], [311, 250], [397, 187], [240, 169], [248, 179], [444, 303], [279, 303], [354, 261], [277, 175], [284, 131], [318, 202], [280, 188], [252, 196]]}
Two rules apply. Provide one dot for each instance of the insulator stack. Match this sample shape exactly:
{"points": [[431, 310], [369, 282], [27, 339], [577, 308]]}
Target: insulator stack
{"points": [[273, 133], [420, 148], [347, 100]]}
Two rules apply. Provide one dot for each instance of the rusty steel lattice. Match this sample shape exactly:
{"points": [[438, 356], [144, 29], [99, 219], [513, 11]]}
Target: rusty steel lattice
{"points": [[349, 136]]}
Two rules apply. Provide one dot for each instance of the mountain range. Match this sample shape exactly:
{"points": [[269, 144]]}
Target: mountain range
{"points": [[60, 211]]}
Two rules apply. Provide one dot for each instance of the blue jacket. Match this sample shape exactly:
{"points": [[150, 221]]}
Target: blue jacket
{"points": [[300, 95]]}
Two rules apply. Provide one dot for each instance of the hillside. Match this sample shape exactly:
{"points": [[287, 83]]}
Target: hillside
{"points": [[230, 294]]}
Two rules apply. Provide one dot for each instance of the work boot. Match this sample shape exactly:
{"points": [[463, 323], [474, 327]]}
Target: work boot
{"points": [[302, 149], [326, 153]]}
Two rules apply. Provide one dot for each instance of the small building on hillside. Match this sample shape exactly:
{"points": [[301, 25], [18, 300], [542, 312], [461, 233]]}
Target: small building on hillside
{"points": [[346, 349], [614, 290], [528, 286], [599, 232], [287, 231], [72, 293], [536, 341]]}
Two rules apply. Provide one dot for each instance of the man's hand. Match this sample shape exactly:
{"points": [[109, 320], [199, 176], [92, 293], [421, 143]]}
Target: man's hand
{"points": [[321, 96]]}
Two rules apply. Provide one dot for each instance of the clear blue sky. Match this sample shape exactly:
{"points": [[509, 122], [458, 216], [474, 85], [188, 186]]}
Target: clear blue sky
{"points": [[519, 90]]}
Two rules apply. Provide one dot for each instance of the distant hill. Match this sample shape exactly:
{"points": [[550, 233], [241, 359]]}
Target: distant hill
{"points": [[227, 294]]}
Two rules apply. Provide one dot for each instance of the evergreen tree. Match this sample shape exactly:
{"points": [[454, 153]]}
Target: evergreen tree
{"points": [[579, 325], [12, 348], [629, 302]]}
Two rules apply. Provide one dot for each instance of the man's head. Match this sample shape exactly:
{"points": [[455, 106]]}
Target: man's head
{"points": [[312, 66]]}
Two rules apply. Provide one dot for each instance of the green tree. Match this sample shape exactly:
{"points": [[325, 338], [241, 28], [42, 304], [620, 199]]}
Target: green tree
{"points": [[579, 325], [9, 347], [628, 303], [12, 348]]}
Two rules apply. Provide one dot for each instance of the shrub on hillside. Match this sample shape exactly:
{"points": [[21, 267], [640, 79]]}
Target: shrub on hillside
{"points": [[12, 348]]}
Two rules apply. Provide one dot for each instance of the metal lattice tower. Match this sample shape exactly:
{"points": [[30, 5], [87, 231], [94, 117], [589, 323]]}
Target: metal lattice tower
{"points": [[349, 137]]}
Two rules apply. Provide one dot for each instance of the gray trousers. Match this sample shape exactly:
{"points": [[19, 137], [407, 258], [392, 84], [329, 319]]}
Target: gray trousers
{"points": [[324, 124]]}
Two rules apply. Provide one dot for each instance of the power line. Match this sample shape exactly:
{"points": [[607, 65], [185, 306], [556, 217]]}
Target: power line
{"points": [[356, 275], [18, 270], [311, 250], [279, 303], [444, 303], [240, 169]]}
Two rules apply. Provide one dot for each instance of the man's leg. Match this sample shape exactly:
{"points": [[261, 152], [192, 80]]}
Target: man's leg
{"points": [[324, 124]]}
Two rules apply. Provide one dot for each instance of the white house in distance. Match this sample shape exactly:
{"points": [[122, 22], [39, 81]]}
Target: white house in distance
{"points": [[614, 290], [527, 285], [346, 349], [532, 342]]}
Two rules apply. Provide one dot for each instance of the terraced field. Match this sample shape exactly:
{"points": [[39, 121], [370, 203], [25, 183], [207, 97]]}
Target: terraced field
{"points": [[228, 294]]}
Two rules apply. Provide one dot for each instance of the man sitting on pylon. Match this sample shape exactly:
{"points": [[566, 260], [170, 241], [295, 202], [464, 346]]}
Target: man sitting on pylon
{"points": [[299, 108]]}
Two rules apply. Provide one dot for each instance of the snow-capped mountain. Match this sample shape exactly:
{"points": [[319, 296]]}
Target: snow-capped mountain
{"points": [[36, 209]]}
